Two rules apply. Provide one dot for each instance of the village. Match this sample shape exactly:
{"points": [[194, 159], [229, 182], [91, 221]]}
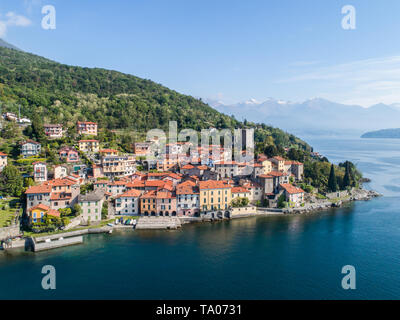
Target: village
{"points": [[119, 188]]}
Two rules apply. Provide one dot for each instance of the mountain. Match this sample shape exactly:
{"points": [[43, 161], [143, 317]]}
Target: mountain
{"points": [[59, 93], [316, 116], [5, 44], [385, 133]]}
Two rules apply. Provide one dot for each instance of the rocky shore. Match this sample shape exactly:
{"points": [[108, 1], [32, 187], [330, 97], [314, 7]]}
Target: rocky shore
{"points": [[314, 204]]}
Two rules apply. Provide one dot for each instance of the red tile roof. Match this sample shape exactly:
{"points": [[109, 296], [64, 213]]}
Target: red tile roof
{"points": [[54, 213], [3, 154], [213, 184], [188, 166], [130, 194], [86, 122], [291, 189], [239, 190], [40, 206], [118, 183], [108, 151], [38, 189]]}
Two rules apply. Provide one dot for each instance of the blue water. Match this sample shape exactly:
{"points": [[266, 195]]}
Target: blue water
{"points": [[287, 257]]}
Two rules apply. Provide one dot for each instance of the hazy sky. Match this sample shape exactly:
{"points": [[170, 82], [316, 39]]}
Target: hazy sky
{"points": [[227, 50]]}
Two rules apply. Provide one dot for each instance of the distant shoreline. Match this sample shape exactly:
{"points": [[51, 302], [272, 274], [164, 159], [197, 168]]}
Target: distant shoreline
{"points": [[382, 134]]}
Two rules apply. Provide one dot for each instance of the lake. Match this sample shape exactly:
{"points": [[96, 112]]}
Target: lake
{"points": [[281, 257]]}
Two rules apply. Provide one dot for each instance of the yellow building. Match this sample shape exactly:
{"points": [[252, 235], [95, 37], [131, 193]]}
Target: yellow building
{"points": [[267, 166], [37, 213], [279, 163], [214, 195], [89, 145]]}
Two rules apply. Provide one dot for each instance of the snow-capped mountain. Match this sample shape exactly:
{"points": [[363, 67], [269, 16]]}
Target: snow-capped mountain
{"points": [[316, 116]]}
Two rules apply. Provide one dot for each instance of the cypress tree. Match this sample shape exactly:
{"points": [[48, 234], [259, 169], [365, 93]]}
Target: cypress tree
{"points": [[347, 177], [332, 183]]}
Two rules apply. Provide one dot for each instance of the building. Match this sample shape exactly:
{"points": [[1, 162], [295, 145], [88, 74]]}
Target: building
{"points": [[39, 172], [194, 169], [188, 199], [30, 148], [92, 205], [271, 181], [148, 203], [60, 172], [294, 196], [116, 188], [64, 192], [240, 192], [37, 213], [3, 161], [109, 152], [214, 195], [89, 146], [69, 155], [227, 169], [128, 203], [53, 131], [86, 127], [10, 116], [256, 191], [101, 184], [36, 195], [279, 163], [141, 148], [56, 193], [158, 203], [118, 166], [296, 168], [166, 203], [167, 163]]}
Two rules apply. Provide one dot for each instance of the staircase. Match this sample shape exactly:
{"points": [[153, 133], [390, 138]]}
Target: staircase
{"points": [[158, 223]]}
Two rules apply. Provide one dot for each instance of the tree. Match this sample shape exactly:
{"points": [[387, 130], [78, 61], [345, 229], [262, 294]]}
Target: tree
{"points": [[104, 210], [77, 210], [332, 183], [271, 151], [9, 131], [348, 180], [37, 128], [11, 182], [282, 201], [65, 212]]}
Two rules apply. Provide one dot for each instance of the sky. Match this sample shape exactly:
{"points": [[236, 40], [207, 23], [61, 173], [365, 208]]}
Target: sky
{"points": [[225, 50]]}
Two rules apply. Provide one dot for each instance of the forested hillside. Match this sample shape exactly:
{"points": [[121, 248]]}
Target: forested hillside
{"points": [[65, 94], [50, 92]]}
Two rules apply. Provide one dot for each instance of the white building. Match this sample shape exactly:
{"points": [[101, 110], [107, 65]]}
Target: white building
{"points": [[128, 203], [39, 172], [92, 205], [3, 161]]}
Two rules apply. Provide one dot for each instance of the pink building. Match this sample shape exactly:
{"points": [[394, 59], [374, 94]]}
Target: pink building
{"points": [[86, 127], [69, 155], [53, 131]]}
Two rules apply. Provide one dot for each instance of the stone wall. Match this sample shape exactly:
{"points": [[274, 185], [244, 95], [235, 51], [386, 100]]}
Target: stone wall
{"points": [[338, 194], [9, 232]]}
